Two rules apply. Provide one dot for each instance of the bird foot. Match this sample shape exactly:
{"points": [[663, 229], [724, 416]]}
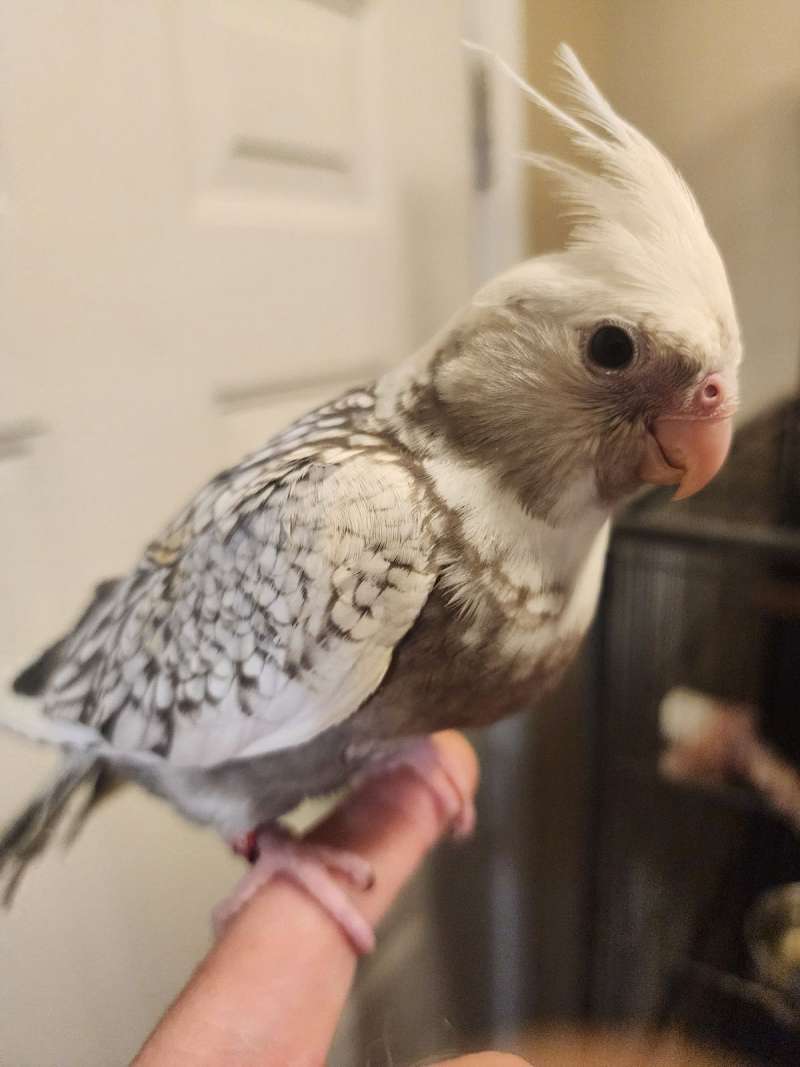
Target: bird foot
{"points": [[421, 757], [312, 867]]}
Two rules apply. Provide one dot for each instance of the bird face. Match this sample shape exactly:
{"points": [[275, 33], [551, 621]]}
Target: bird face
{"points": [[658, 403], [612, 364], [553, 393]]}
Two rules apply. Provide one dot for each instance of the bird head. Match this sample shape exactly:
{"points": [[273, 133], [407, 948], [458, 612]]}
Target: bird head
{"points": [[612, 364]]}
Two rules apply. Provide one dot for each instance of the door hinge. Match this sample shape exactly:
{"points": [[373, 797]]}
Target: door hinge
{"points": [[481, 102]]}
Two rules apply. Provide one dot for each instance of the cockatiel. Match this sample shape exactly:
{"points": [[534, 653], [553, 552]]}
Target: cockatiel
{"points": [[421, 553]]}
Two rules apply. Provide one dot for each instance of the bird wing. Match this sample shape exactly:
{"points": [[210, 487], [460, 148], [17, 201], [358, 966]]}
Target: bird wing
{"points": [[268, 612]]}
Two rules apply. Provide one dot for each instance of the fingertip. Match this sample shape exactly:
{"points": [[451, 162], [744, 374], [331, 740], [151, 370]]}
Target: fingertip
{"points": [[460, 759], [433, 797]]}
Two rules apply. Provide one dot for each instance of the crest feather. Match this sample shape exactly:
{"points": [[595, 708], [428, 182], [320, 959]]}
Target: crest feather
{"points": [[636, 224]]}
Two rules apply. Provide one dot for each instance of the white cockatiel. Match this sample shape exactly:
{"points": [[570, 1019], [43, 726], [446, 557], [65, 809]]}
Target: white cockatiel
{"points": [[424, 552]]}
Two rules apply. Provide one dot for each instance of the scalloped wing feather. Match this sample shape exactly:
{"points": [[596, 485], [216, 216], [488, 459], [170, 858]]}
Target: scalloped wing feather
{"points": [[268, 611]]}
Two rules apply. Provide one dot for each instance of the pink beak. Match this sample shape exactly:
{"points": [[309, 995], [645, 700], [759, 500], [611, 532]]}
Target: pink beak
{"points": [[689, 449]]}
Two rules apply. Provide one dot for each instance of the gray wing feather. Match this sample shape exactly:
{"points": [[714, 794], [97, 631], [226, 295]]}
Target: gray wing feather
{"points": [[268, 611]]}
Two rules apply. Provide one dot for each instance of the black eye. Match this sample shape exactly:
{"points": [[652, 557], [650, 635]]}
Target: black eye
{"points": [[611, 348]]}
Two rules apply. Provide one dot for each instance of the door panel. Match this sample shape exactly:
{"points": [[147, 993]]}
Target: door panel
{"points": [[213, 215]]}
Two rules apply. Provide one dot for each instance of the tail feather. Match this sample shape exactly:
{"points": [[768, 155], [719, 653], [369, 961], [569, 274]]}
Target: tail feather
{"points": [[105, 783], [31, 831]]}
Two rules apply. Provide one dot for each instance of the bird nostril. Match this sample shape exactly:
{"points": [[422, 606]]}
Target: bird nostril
{"points": [[710, 394]]}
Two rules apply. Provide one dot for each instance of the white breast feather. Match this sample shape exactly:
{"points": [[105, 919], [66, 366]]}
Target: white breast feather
{"points": [[559, 563]]}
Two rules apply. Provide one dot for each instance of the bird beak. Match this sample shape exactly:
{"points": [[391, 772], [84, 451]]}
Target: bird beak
{"points": [[688, 448], [685, 452]]}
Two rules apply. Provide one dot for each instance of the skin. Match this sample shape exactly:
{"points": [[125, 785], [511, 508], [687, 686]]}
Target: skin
{"points": [[249, 1002], [247, 1005]]}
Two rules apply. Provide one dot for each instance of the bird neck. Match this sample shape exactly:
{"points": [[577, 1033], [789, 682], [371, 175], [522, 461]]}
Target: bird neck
{"points": [[496, 527], [554, 486]]}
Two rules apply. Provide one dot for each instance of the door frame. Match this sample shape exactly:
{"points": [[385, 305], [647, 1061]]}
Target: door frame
{"points": [[499, 237]]}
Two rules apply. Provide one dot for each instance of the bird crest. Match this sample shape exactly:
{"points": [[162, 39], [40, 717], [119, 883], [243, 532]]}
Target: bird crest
{"points": [[635, 223]]}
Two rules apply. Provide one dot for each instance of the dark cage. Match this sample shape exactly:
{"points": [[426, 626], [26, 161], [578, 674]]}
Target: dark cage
{"points": [[704, 594]]}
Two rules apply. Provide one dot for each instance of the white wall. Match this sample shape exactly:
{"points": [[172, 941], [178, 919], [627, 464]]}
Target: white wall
{"points": [[199, 200]]}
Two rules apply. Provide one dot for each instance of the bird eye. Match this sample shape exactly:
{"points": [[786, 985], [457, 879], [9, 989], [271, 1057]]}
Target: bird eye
{"points": [[611, 348]]}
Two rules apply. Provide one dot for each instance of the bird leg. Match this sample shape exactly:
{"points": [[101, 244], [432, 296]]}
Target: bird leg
{"points": [[421, 757], [274, 852]]}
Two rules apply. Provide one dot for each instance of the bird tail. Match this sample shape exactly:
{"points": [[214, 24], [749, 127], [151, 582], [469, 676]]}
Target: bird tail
{"points": [[30, 832]]}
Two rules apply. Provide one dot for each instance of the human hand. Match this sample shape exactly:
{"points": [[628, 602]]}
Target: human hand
{"points": [[270, 992]]}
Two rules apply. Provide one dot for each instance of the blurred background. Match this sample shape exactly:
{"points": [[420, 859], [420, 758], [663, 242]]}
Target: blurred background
{"points": [[216, 213]]}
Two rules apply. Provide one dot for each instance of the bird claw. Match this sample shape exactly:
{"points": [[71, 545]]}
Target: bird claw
{"points": [[311, 867], [273, 852]]}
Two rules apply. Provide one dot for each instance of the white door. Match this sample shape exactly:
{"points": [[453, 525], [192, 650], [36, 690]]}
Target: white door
{"points": [[213, 213]]}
